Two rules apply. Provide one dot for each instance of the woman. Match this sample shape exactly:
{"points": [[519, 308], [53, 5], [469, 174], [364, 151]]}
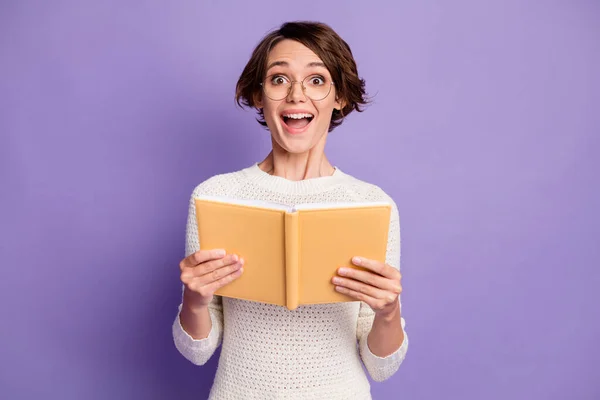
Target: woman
{"points": [[302, 79]]}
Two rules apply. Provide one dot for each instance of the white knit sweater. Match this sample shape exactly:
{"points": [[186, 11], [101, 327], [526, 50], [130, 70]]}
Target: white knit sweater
{"points": [[270, 352]]}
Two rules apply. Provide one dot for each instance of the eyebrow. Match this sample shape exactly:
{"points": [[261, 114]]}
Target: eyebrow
{"points": [[286, 64]]}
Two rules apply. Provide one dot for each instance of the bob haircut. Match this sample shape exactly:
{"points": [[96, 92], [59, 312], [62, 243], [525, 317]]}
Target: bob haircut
{"points": [[328, 46]]}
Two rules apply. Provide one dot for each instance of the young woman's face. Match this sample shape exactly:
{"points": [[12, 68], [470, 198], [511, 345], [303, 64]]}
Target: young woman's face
{"points": [[297, 119]]}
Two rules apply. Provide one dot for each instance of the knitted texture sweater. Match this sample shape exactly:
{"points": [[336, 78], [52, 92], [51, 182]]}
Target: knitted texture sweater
{"points": [[269, 352]]}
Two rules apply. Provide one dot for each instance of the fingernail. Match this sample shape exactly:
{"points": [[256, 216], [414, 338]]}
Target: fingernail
{"points": [[242, 261], [342, 271], [234, 257], [220, 253], [336, 280], [356, 260]]}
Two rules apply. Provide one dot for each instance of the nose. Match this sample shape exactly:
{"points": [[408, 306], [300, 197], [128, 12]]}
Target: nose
{"points": [[296, 94]]}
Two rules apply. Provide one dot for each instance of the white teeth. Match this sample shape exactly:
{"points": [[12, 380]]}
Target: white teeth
{"points": [[298, 116]]}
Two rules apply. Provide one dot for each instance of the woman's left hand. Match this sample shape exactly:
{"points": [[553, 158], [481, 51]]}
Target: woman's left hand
{"points": [[379, 287]]}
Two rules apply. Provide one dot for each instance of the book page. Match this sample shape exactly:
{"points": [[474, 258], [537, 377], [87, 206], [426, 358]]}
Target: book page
{"points": [[246, 202], [328, 206]]}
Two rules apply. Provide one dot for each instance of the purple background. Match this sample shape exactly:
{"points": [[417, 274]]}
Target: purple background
{"points": [[485, 130]]}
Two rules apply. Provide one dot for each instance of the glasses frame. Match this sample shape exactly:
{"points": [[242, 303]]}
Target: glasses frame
{"points": [[292, 85]]}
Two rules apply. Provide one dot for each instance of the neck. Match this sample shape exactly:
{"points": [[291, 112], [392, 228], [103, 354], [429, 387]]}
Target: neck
{"points": [[297, 166]]}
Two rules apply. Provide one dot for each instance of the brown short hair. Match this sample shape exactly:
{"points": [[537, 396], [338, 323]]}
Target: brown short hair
{"points": [[326, 44]]}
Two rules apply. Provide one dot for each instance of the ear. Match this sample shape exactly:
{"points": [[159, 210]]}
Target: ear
{"points": [[339, 104], [257, 101]]}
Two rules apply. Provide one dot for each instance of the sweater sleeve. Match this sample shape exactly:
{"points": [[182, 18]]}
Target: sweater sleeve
{"points": [[382, 368], [198, 351]]}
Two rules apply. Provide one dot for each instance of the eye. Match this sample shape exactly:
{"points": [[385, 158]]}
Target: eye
{"points": [[277, 80], [316, 80]]}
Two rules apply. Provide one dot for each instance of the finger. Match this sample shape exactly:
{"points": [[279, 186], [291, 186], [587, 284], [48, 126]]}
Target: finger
{"points": [[372, 279], [361, 287], [219, 273], [374, 303], [216, 285], [211, 266], [202, 256], [378, 267]]}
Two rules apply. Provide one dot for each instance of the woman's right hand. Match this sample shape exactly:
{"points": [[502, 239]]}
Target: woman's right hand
{"points": [[206, 271]]}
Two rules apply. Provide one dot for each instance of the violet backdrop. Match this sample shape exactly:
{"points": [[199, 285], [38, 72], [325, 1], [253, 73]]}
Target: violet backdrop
{"points": [[484, 129]]}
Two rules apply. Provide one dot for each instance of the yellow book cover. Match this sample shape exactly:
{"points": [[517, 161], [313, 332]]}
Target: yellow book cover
{"points": [[291, 253]]}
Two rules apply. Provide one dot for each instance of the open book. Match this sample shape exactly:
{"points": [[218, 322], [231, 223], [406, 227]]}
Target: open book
{"points": [[291, 253]]}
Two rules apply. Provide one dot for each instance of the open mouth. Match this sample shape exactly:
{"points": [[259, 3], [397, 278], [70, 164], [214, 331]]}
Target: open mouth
{"points": [[297, 121]]}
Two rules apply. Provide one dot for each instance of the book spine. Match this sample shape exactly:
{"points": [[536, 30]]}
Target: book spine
{"points": [[291, 260]]}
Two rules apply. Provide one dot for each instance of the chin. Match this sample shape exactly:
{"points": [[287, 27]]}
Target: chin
{"points": [[296, 142], [297, 148]]}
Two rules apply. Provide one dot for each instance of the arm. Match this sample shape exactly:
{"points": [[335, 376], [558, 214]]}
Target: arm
{"points": [[202, 334], [387, 334], [197, 333], [195, 321], [382, 344]]}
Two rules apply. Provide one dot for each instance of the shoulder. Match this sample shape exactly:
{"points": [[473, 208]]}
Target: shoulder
{"points": [[220, 185], [362, 190]]}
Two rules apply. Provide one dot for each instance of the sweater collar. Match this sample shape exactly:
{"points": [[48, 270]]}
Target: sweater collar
{"points": [[283, 185]]}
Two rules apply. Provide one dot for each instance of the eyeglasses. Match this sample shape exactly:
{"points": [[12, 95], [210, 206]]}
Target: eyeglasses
{"points": [[278, 87]]}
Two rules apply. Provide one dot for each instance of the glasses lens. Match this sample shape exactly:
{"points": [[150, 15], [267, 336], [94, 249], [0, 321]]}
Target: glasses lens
{"points": [[276, 87], [316, 87]]}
